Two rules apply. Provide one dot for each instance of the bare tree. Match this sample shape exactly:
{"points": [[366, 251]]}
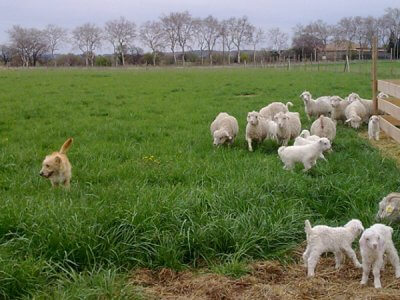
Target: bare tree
{"points": [[370, 29], [170, 32], [240, 30], [152, 36], [346, 32], [359, 34], [6, 53], [120, 33], [29, 43], [184, 28], [383, 31], [257, 37], [321, 31], [278, 40], [212, 32], [55, 36], [199, 31], [392, 16], [88, 38], [226, 38]]}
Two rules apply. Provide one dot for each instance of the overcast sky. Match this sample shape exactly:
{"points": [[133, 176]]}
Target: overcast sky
{"points": [[262, 13]]}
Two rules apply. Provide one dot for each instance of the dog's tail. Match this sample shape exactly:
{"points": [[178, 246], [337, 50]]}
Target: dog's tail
{"points": [[307, 227], [288, 104], [66, 145]]}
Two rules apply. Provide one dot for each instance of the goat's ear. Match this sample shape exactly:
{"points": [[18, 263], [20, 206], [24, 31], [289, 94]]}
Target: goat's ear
{"points": [[347, 121]]}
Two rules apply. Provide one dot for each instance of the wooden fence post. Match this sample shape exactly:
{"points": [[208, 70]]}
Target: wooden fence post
{"points": [[374, 75]]}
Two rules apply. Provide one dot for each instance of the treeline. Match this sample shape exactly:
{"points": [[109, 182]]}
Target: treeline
{"points": [[179, 38]]}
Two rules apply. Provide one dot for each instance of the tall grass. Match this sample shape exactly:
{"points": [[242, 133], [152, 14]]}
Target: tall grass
{"points": [[148, 188]]}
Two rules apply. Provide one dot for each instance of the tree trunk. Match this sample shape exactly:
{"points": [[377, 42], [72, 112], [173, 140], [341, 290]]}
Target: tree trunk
{"points": [[183, 56], [173, 53], [229, 57], [201, 54], [154, 58], [123, 59], [211, 58], [238, 54], [254, 55], [223, 51]]}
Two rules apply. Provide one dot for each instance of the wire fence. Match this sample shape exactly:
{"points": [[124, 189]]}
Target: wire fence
{"points": [[386, 68]]}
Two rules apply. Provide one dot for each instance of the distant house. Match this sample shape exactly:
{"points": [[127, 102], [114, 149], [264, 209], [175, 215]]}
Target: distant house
{"points": [[339, 50]]}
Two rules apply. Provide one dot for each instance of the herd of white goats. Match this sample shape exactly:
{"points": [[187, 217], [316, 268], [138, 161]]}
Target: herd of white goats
{"points": [[276, 122]]}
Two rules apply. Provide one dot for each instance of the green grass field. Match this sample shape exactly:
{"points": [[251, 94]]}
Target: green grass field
{"points": [[149, 190]]}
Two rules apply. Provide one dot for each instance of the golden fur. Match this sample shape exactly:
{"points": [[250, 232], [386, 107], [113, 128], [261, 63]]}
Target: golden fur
{"points": [[57, 167]]}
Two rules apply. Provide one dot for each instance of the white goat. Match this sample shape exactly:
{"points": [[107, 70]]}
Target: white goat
{"points": [[322, 238], [374, 243], [256, 129], [289, 126], [374, 128], [273, 108], [316, 107], [324, 127], [368, 104], [224, 129], [338, 107], [306, 154], [355, 114]]}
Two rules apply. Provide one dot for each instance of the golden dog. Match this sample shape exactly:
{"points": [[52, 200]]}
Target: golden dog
{"points": [[57, 167]]}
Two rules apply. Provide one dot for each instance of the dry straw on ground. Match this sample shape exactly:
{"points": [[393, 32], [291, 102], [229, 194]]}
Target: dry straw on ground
{"points": [[274, 280], [267, 280]]}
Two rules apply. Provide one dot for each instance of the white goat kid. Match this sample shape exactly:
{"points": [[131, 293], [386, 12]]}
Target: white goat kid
{"points": [[374, 128], [306, 154], [374, 243], [321, 239]]}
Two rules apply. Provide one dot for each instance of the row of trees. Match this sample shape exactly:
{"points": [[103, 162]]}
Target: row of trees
{"points": [[179, 33], [348, 31]]}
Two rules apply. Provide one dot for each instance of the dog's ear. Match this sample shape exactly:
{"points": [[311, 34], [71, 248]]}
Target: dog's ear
{"points": [[57, 159]]}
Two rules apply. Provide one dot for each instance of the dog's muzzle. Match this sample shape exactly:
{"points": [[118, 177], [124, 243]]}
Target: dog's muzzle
{"points": [[44, 175]]}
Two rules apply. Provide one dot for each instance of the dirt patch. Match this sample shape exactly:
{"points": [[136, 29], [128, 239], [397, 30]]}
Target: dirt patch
{"points": [[387, 146], [274, 280], [267, 280]]}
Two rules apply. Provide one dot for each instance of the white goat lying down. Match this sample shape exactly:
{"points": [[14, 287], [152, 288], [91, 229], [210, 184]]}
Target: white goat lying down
{"points": [[273, 108], [321, 239], [374, 243], [306, 154], [224, 129], [320, 106]]}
